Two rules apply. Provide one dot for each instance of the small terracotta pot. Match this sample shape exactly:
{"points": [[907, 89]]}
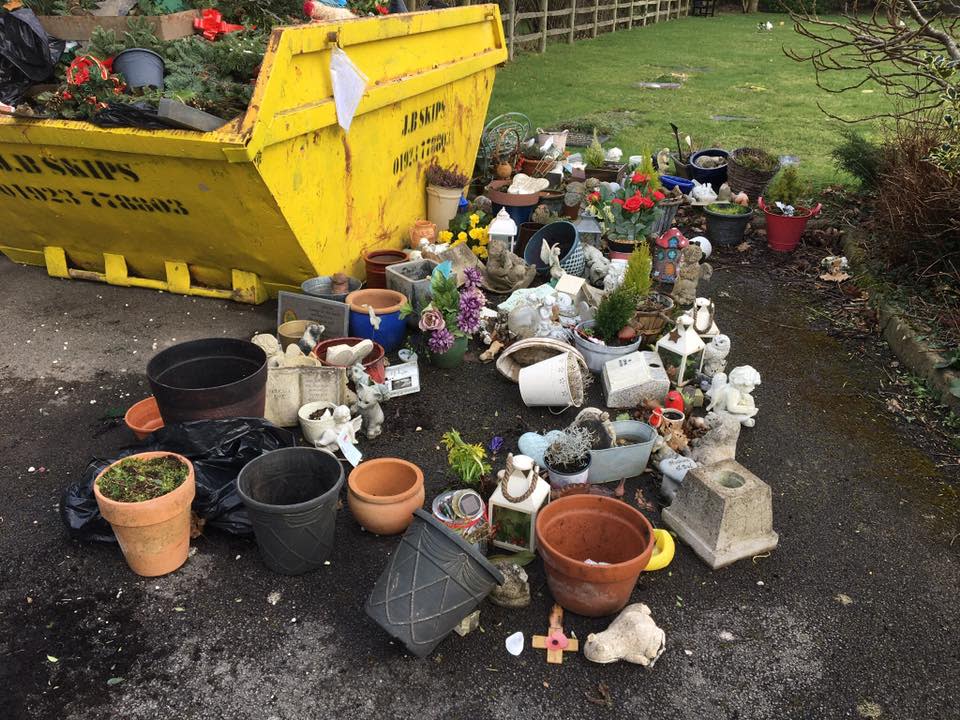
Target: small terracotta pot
{"points": [[422, 229], [155, 534], [383, 493], [143, 417], [577, 528], [376, 262]]}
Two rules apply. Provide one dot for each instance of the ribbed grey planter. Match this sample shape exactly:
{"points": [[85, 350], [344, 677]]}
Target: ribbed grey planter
{"points": [[413, 280], [434, 579]]}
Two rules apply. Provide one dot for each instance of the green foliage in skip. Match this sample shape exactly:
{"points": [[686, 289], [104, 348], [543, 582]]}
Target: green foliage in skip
{"points": [[467, 460], [637, 278], [613, 313]]}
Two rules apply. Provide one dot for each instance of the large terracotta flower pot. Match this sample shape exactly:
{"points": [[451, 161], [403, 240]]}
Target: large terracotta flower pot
{"points": [[143, 417], [578, 528], [383, 493], [154, 534]]}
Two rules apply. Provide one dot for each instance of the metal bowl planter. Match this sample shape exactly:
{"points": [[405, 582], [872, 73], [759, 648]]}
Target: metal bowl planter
{"points": [[623, 461], [320, 287], [727, 230], [434, 579], [715, 176], [752, 182], [595, 354]]}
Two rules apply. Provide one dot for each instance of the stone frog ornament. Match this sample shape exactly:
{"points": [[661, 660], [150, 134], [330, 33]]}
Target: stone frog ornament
{"points": [[689, 275], [633, 637]]}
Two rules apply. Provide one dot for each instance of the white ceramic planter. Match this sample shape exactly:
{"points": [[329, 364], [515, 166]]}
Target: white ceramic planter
{"points": [[313, 429], [559, 479]]}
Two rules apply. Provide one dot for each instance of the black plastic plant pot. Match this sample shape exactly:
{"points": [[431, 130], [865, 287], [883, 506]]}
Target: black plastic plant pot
{"points": [[726, 230], [291, 498], [140, 68], [435, 579], [209, 379]]}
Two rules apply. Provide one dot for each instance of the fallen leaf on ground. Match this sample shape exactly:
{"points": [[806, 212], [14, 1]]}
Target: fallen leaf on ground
{"points": [[743, 247], [843, 599], [835, 277], [115, 681], [52, 659], [893, 406], [642, 501], [869, 709], [602, 697]]}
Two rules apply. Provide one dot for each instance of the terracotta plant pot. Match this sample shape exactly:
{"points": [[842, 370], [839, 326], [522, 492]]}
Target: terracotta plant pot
{"points": [[143, 417], [386, 306], [376, 263], [383, 493], [577, 528], [154, 534]]}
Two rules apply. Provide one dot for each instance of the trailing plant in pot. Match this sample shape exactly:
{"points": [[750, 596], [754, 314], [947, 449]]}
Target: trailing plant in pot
{"points": [[629, 213], [146, 499], [651, 308], [727, 222], [786, 213], [451, 317], [444, 187], [568, 457]]}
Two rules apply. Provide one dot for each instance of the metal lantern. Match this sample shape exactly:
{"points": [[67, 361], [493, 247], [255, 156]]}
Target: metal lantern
{"points": [[589, 229], [503, 228], [681, 352], [666, 255], [515, 503]]}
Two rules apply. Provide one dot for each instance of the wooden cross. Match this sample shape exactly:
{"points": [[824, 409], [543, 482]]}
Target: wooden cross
{"points": [[555, 642]]}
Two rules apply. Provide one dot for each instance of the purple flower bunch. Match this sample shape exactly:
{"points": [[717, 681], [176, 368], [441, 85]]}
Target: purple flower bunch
{"points": [[440, 341], [472, 301]]}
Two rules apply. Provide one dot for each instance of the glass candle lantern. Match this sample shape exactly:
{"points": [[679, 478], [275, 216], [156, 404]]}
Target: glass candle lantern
{"points": [[503, 228], [681, 351], [515, 503]]}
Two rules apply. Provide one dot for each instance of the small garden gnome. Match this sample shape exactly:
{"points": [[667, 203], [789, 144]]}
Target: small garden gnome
{"points": [[633, 637], [689, 275], [732, 394]]}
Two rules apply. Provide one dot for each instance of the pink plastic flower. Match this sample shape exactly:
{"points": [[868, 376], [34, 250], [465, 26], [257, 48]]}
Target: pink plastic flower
{"points": [[431, 319]]}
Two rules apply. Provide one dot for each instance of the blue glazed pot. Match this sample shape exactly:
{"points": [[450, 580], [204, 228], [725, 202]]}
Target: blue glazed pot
{"points": [[386, 305], [571, 254], [715, 176]]}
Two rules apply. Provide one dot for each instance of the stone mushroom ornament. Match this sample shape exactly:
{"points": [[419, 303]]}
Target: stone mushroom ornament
{"points": [[732, 394], [633, 637]]}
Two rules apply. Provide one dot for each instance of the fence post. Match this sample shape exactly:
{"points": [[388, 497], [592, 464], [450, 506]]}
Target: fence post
{"points": [[543, 26], [573, 21], [596, 17], [616, 12], [512, 27], [630, 22]]}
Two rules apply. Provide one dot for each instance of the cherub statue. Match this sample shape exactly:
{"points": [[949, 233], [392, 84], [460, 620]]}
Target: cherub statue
{"points": [[342, 422], [551, 257], [505, 272], [733, 396], [689, 275]]}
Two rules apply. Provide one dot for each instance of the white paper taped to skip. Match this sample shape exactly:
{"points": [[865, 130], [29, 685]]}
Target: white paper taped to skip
{"points": [[349, 85]]}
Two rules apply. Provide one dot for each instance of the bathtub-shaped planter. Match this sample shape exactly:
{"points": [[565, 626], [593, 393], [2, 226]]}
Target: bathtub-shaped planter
{"points": [[623, 461]]}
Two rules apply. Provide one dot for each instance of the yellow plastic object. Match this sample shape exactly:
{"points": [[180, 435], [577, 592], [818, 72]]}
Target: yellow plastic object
{"points": [[277, 196], [663, 550]]}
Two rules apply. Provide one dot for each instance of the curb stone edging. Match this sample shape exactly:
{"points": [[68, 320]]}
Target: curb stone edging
{"points": [[900, 335]]}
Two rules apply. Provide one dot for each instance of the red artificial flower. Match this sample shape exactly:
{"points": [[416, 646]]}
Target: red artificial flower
{"points": [[593, 197], [638, 178], [658, 196], [633, 203], [67, 95], [382, 9], [646, 203], [618, 201]]}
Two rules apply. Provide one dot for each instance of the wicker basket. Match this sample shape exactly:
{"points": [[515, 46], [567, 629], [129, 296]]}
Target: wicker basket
{"points": [[752, 182]]}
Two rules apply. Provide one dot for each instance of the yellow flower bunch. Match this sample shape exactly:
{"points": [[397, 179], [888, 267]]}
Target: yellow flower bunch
{"points": [[474, 219], [480, 251], [446, 236]]}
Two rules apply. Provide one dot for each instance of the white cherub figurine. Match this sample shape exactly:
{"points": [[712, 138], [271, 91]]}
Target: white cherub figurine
{"points": [[342, 422], [551, 257], [733, 395], [715, 355]]}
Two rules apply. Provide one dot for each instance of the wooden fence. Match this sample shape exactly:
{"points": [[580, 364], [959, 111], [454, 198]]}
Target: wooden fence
{"points": [[529, 24]]}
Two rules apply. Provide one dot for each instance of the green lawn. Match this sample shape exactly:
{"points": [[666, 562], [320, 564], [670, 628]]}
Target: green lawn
{"points": [[730, 69]]}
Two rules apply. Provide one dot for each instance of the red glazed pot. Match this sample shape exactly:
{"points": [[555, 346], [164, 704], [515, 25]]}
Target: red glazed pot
{"points": [[577, 528], [373, 363], [376, 262], [784, 231]]}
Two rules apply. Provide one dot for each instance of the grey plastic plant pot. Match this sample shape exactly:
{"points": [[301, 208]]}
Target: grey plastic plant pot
{"points": [[140, 68], [624, 461], [596, 355], [434, 579], [291, 498], [726, 230]]}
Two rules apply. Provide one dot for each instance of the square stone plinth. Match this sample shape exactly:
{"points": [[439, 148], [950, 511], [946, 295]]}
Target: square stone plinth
{"points": [[724, 512], [633, 378]]}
